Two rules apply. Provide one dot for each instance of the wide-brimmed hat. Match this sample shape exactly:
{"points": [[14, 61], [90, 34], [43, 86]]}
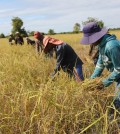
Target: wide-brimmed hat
{"points": [[92, 33], [48, 41], [17, 33], [10, 34]]}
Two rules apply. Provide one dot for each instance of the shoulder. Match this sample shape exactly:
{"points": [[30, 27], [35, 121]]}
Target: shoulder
{"points": [[112, 44]]}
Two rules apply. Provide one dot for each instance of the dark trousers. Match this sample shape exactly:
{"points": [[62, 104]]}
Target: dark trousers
{"points": [[75, 72]]}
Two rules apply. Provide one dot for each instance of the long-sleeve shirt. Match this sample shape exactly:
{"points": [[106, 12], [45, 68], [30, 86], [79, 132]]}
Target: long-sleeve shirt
{"points": [[109, 57], [19, 40], [11, 38], [66, 58]]}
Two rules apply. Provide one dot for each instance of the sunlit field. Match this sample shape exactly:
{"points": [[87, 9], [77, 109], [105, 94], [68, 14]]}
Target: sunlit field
{"points": [[32, 103]]}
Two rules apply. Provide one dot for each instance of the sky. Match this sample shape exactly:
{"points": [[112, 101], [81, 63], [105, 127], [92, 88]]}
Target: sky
{"points": [[59, 15]]}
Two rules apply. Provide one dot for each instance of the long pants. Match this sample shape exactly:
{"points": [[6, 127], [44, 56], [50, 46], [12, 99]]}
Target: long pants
{"points": [[79, 72], [75, 72]]}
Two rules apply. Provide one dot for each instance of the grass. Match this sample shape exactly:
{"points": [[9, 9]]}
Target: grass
{"points": [[31, 103]]}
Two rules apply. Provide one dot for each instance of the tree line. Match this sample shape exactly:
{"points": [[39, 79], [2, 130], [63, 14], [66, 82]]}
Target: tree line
{"points": [[17, 26]]}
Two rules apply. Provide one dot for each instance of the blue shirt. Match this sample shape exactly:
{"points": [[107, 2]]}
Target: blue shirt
{"points": [[109, 57], [66, 58]]}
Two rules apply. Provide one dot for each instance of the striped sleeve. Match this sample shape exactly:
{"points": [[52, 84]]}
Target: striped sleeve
{"points": [[115, 75], [99, 68]]}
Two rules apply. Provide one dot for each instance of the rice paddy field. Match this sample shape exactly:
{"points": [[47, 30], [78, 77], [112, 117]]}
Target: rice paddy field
{"points": [[31, 103]]}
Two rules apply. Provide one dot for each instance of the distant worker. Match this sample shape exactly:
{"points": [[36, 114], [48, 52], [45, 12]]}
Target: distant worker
{"points": [[67, 59], [38, 42], [11, 39], [18, 39], [109, 56], [39, 45], [29, 41]]}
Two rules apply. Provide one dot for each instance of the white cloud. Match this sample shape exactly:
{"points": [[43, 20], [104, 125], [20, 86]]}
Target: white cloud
{"points": [[59, 14]]}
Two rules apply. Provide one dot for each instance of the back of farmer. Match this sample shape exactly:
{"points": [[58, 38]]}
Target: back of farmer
{"points": [[29, 41], [67, 59], [11, 39]]}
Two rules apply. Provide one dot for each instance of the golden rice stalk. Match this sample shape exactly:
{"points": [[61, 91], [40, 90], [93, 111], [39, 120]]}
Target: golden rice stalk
{"points": [[91, 84]]}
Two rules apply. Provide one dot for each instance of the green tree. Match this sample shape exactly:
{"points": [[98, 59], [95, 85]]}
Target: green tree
{"points": [[2, 35], [76, 28], [91, 19], [23, 32], [17, 24], [51, 31]]}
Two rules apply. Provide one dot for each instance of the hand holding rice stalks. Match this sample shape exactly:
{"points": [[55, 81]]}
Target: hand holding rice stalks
{"points": [[92, 84]]}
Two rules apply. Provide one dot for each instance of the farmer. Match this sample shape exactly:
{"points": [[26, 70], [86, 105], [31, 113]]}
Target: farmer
{"points": [[11, 39], [38, 42], [29, 41], [67, 59], [109, 56], [19, 39]]}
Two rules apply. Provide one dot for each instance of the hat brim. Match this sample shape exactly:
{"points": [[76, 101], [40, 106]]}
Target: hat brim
{"points": [[94, 37]]}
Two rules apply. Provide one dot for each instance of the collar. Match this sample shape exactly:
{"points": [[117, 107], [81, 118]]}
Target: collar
{"points": [[106, 38]]}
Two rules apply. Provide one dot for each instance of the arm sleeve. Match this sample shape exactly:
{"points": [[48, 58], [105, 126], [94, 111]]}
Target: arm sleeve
{"points": [[99, 68], [115, 57], [60, 55], [37, 46]]}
